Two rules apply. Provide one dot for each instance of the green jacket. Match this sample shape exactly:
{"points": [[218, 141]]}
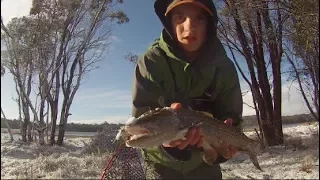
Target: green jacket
{"points": [[210, 83]]}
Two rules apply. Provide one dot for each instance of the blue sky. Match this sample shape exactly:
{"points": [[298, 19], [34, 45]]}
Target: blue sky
{"points": [[105, 94]]}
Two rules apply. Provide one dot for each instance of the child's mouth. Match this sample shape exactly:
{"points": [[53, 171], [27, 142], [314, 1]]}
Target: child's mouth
{"points": [[190, 38]]}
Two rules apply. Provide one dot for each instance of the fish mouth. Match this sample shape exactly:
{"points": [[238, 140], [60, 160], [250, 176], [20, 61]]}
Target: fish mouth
{"points": [[136, 133]]}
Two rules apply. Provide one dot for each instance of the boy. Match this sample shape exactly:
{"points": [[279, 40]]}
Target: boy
{"points": [[187, 66]]}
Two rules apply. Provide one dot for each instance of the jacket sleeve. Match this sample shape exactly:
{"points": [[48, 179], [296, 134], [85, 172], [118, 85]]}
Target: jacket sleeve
{"points": [[147, 88], [228, 102], [146, 85]]}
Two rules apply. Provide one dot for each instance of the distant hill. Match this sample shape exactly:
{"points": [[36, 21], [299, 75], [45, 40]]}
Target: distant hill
{"points": [[249, 121], [15, 124]]}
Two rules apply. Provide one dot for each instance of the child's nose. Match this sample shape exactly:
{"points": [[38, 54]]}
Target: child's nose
{"points": [[190, 24]]}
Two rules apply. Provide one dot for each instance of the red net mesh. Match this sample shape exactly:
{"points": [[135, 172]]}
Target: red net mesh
{"points": [[125, 164]]}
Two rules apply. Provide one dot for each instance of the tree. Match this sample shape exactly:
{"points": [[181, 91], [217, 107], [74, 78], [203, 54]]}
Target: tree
{"points": [[83, 30], [7, 124], [133, 58], [55, 47], [253, 29], [302, 49], [18, 60], [3, 70]]}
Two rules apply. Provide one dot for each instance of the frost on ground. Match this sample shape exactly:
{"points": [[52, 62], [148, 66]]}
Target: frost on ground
{"points": [[298, 158], [22, 161]]}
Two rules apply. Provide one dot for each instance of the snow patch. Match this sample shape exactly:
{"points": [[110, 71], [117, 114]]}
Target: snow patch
{"points": [[297, 158]]}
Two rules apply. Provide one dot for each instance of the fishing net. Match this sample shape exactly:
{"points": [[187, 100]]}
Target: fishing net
{"points": [[126, 163]]}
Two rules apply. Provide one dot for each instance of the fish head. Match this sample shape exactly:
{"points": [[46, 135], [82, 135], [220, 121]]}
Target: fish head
{"points": [[152, 128]]}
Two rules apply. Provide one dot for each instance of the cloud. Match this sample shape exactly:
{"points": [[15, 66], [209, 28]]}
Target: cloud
{"points": [[99, 120], [292, 102], [115, 39], [105, 98], [16, 8], [247, 99]]}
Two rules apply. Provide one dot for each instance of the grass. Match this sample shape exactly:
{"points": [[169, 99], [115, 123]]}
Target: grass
{"points": [[295, 160], [46, 162]]}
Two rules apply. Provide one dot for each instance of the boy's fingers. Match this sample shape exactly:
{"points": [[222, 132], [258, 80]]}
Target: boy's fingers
{"points": [[224, 150], [172, 143], [200, 142], [196, 136], [189, 136], [233, 150], [183, 144]]}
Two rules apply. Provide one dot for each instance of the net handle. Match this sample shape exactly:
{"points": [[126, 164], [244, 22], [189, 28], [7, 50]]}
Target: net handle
{"points": [[108, 165]]}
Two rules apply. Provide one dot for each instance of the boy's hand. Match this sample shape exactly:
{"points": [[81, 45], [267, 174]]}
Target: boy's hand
{"points": [[193, 136]]}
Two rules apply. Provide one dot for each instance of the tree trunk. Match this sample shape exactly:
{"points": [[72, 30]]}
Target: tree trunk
{"points": [[47, 122], [53, 124], [62, 127], [29, 131], [41, 137], [26, 128], [275, 51], [7, 124], [42, 126], [23, 126], [63, 123]]}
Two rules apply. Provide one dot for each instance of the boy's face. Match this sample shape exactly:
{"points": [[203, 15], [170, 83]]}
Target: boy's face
{"points": [[189, 23]]}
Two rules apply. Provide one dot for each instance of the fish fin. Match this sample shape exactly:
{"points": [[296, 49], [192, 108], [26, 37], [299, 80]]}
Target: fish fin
{"points": [[182, 133], [254, 160], [209, 154], [119, 134], [199, 123], [253, 149], [206, 113]]}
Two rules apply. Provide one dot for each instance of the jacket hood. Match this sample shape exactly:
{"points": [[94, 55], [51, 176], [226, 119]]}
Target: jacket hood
{"points": [[161, 6]]}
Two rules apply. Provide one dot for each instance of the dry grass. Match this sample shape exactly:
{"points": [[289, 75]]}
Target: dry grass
{"points": [[307, 163], [80, 158], [23, 161], [60, 166], [298, 158]]}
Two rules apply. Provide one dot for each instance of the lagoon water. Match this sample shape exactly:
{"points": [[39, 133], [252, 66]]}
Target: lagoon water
{"points": [[92, 134]]}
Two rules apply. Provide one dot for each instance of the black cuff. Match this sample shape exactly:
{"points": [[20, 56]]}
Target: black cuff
{"points": [[176, 154], [220, 159]]}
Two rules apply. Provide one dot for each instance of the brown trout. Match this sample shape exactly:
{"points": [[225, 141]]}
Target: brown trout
{"points": [[162, 125]]}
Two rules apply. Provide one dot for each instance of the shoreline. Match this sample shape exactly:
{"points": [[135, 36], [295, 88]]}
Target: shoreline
{"points": [[93, 133]]}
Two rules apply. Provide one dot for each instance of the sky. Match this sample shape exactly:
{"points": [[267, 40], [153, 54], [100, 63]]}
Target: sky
{"points": [[105, 93]]}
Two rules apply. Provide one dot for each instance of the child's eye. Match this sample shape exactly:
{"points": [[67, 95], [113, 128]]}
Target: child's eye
{"points": [[178, 18], [202, 19]]}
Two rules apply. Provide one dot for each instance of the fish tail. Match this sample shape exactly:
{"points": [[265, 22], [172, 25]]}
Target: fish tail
{"points": [[253, 149], [254, 159]]}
